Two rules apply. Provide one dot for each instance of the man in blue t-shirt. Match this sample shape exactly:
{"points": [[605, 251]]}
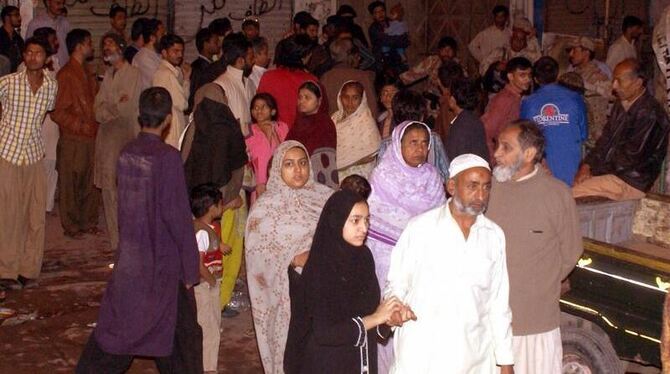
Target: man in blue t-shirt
{"points": [[561, 114]]}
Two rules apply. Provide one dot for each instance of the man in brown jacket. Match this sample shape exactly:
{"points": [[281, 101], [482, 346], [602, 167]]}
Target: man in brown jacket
{"points": [[78, 199], [539, 217]]}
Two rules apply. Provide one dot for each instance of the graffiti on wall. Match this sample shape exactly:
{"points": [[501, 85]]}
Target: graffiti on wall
{"points": [[256, 8], [135, 8]]}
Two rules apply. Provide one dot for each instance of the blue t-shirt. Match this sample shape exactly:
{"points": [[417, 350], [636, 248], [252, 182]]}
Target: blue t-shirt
{"points": [[561, 114]]}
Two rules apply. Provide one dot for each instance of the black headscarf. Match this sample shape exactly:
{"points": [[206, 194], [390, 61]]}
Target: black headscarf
{"points": [[337, 266], [218, 146]]}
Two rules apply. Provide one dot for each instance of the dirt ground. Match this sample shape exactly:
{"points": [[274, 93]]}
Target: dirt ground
{"points": [[54, 320]]}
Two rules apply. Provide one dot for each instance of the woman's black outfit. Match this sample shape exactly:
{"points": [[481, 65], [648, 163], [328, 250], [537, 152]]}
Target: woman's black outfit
{"points": [[340, 287]]}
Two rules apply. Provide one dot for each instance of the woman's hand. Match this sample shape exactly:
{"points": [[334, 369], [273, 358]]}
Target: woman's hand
{"points": [[383, 313], [300, 260], [260, 188]]}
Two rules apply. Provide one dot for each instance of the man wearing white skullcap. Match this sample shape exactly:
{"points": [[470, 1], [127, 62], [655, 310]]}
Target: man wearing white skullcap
{"points": [[539, 217], [449, 269]]}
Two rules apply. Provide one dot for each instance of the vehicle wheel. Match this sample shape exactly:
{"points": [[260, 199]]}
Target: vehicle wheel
{"points": [[587, 352]]}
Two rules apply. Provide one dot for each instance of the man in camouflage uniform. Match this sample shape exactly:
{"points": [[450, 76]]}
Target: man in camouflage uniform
{"points": [[596, 83]]}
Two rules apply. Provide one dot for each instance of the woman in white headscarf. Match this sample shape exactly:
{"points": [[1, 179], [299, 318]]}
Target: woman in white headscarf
{"points": [[278, 236], [358, 138]]}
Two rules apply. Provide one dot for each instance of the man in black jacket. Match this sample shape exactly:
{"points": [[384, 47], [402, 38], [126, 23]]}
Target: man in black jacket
{"points": [[628, 156]]}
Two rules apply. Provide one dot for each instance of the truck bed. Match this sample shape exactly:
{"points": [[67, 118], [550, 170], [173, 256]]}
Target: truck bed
{"points": [[640, 245]]}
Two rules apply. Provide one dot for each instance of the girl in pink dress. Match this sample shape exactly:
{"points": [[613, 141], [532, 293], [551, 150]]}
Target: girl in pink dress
{"points": [[266, 134]]}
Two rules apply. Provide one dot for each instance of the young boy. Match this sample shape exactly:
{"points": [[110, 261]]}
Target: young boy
{"points": [[147, 309], [207, 206]]}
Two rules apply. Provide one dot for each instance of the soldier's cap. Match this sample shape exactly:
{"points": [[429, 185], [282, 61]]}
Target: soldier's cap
{"points": [[584, 42]]}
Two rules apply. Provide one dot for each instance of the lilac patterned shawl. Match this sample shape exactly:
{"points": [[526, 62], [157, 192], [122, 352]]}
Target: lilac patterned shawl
{"points": [[400, 192]]}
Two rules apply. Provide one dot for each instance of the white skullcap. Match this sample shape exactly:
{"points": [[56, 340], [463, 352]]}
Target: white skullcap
{"points": [[466, 161]]}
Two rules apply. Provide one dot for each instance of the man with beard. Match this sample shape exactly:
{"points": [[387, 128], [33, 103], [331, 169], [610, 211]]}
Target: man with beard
{"points": [[539, 218], [148, 58], [78, 199], [11, 43], [54, 16], [458, 292], [447, 48], [116, 110], [174, 76], [238, 56]]}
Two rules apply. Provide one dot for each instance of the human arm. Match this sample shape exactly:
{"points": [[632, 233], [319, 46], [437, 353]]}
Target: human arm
{"points": [[105, 110], [202, 238], [418, 71], [569, 233], [583, 173], [403, 266], [65, 113], [475, 47], [176, 215]]}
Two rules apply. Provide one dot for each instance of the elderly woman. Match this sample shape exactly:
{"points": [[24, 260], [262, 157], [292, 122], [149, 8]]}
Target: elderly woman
{"points": [[403, 186], [410, 106], [279, 234], [357, 135]]}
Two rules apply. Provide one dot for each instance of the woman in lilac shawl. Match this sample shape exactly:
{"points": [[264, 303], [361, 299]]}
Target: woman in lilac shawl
{"points": [[400, 191]]}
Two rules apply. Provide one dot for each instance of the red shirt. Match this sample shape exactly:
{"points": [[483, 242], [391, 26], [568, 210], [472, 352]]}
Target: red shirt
{"points": [[283, 85], [503, 109]]}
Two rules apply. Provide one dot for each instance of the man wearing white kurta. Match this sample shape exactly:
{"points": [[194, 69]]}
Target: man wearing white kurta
{"points": [[492, 37], [449, 268], [176, 79], [238, 55], [624, 47]]}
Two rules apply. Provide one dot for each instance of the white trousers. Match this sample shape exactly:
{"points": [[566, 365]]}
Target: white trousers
{"points": [[538, 353]]}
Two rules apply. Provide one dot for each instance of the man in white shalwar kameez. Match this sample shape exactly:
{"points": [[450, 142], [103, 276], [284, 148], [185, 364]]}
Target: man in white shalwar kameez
{"points": [[449, 268], [174, 76], [238, 55]]}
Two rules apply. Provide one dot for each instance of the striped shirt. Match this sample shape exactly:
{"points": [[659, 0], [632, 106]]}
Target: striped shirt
{"points": [[22, 116]]}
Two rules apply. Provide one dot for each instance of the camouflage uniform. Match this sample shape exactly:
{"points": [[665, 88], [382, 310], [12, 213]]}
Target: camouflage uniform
{"points": [[598, 95]]}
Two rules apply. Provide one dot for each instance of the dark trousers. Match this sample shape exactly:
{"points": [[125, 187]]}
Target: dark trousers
{"points": [[186, 357], [78, 198]]}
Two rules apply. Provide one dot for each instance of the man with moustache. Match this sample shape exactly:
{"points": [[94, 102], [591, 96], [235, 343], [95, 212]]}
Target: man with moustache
{"points": [[238, 56], [25, 97], [78, 199], [456, 291], [116, 110], [174, 76], [54, 17], [628, 157], [543, 241], [11, 43], [505, 106]]}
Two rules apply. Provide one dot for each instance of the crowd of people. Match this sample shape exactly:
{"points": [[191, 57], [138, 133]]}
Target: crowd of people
{"points": [[373, 217]]}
